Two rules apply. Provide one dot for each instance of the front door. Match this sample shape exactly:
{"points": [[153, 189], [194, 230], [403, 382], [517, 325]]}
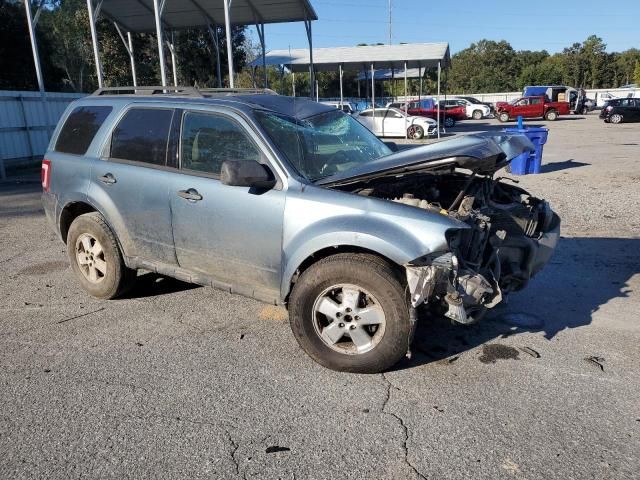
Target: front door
{"points": [[233, 234]]}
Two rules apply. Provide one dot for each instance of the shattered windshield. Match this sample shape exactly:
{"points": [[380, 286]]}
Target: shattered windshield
{"points": [[323, 145]]}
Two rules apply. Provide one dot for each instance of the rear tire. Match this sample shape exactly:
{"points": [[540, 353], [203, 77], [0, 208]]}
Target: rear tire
{"points": [[449, 122], [615, 118], [503, 117], [96, 259], [551, 115], [477, 115], [351, 294]]}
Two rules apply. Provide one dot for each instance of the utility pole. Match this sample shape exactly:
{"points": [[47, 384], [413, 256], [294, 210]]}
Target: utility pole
{"points": [[389, 22]]}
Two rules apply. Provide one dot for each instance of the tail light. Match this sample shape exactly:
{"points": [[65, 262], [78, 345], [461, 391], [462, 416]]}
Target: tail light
{"points": [[45, 174], [609, 108]]}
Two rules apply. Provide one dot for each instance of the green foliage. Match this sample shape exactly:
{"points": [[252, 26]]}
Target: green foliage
{"points": [[489, 66], [66, 54]]}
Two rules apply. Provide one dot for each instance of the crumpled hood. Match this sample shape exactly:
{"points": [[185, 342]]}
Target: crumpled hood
{"points": [[481, 153]]}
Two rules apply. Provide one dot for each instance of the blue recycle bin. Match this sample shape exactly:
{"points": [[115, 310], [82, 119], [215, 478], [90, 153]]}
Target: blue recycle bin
{"points": [[528, 163]]}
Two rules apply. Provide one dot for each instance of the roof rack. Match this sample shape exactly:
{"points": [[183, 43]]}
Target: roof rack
{"points": [[236, 91], [149, 90], [181, 91]]}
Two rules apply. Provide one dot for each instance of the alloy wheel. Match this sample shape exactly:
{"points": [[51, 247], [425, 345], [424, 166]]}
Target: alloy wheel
{"points": [[348, 319], [90, 258]]}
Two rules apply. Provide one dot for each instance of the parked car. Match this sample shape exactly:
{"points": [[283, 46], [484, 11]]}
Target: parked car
{"points": [[475, 101], [531, 107], [427, 107], [392, 122], [294, 203], [475, 111], [621, 110], [346, 107]]}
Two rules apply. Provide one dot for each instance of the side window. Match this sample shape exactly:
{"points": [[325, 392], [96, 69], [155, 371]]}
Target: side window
{"points": [[366, 113], [80, 128], [536, 101], [208, 140], [142, 136]]}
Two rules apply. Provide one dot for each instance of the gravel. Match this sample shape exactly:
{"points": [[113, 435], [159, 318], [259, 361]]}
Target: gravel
{"points": [[179, 381]]}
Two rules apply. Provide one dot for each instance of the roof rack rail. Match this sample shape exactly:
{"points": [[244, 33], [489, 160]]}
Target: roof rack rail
{"points": [[150, 90], [181, 91], [237, 91]]}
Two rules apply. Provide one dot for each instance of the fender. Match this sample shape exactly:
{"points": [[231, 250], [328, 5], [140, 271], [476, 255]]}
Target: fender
{"points": [[398, 232]]}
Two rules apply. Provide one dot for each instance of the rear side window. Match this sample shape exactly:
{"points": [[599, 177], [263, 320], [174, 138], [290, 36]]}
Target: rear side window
{"points": [[142, 136], [81, 126]]}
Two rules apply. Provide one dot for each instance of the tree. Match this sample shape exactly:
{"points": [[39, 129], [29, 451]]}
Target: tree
{"points": [[636, 74], [486, 66]]}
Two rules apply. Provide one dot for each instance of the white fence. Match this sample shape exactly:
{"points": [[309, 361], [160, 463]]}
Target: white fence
{"points": [[26, 123]]}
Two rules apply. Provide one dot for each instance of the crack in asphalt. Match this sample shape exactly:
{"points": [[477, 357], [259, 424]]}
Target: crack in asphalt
{"points": [[402, 424], [234, 449]]}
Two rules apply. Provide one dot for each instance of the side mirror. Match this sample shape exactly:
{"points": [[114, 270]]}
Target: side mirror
{"points": [[238, 173]]}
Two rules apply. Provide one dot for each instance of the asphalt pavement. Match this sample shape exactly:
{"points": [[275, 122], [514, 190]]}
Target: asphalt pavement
{"points": [[181, 381]]}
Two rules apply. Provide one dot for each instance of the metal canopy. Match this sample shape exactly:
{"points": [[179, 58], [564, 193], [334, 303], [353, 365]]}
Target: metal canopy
{"points": [[415, 55], [137, 15]]}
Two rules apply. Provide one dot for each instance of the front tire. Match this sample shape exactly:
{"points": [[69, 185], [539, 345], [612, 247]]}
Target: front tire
{"points": [[96, 259], [477, 115], [449, 122], [415, 132], [349, 313], [503, 117]]}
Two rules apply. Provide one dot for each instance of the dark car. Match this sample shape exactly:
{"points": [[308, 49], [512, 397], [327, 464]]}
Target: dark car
{"points": [[621, 110]]}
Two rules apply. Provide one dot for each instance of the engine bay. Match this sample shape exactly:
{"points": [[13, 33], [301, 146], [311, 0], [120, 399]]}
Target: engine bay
{"points": [[493, 257]]}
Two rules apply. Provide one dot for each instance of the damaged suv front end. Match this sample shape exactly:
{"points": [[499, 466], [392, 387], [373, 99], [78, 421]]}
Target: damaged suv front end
{"points": [[504, 235]]}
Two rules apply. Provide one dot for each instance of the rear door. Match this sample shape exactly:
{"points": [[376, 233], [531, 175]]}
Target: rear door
{"points": [[130, 182], [233, 234]]}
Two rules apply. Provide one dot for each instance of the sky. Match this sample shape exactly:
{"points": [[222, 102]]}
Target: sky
{"points": [[553, 26]]}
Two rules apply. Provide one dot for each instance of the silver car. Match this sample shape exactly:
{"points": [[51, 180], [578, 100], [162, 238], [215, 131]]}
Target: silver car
{"points": [[294, 203]]}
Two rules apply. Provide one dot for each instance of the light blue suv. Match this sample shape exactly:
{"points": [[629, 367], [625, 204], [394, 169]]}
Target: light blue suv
{"points": [[295, 203]]}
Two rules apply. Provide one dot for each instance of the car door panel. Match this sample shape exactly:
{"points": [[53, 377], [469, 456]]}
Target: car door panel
{"points": [[131, 184], [233, 234]]}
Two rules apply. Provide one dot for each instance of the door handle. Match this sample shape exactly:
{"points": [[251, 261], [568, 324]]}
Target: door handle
{"points": [[191, 194], [107, 178]]}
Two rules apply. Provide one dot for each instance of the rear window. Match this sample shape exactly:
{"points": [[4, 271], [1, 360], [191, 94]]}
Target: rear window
{"points": [[81, 126], [142, 136]]}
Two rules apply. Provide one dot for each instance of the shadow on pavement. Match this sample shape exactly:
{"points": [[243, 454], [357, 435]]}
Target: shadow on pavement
{"points": [[152, 285], [564, 165], [583, 276]]}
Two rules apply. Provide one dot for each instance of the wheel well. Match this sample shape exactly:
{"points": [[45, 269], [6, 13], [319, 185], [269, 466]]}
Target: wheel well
{"points": [[70, 213], [329, 251]]}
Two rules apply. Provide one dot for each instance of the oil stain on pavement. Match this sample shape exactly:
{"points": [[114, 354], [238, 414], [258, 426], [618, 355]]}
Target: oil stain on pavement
{"points": [[494, 352]]}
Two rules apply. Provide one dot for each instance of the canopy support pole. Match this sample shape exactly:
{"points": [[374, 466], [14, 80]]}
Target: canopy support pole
{"points": [[420, 75], [373, 92], [438, 106], [312, 72], [32, 22], [158, 7], [128, 46], [406, 102], [227, 26], [215, 39], [174, 68], [340, 72], [293, 83], [281, 79], [93, 17], [260, 29]]}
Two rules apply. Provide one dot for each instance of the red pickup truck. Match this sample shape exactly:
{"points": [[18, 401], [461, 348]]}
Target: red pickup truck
{"points": [[531, 107]]}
